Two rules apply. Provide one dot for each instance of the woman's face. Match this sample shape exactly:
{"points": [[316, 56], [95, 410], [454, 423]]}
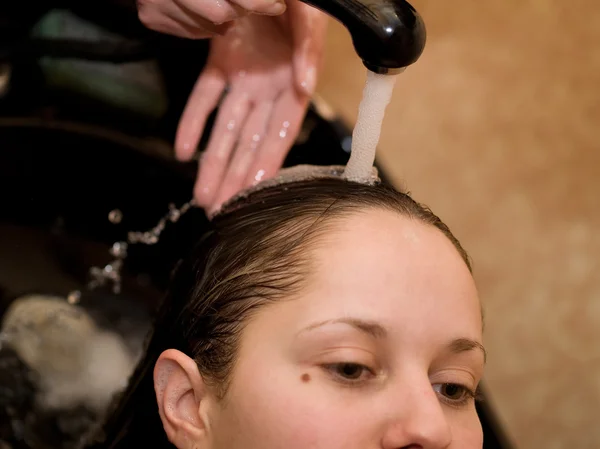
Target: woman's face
{"points": [[382, 350]]}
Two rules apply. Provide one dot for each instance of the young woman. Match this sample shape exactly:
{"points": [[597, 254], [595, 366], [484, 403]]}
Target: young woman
{"points": [[316, 314]]}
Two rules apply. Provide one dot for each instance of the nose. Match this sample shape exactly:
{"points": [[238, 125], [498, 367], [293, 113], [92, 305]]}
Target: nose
{"points": [[416, 421]]}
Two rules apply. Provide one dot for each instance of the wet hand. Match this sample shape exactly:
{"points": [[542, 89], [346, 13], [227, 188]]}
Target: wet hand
{"points": [[267, 66], [199, 19]]}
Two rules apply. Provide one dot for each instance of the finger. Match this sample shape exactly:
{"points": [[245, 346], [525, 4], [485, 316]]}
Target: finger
{"points": [[223, 137], [245, 153], [202, 101], [309, 29], [267, 7], [175, 17], [194, 20], [284, 127], [217, 12], [168, 24]]}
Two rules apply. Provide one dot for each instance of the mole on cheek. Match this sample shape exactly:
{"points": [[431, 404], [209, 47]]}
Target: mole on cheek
{"points": [[305, 377]]}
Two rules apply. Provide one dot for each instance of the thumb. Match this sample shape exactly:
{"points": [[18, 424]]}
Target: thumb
{"points": [[309, 27]]}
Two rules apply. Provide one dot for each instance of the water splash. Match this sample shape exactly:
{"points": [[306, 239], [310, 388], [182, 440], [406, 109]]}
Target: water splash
{"points": [[74, 297], [110, 274], [115, 216]]}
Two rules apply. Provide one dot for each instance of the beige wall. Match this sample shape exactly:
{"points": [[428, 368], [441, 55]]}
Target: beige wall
{"points": [[497, 128]]}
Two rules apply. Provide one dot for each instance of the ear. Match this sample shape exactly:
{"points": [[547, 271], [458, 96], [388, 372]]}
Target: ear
{"points": [[181, 395]]}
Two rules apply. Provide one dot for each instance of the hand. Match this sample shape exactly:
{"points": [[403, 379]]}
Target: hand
{"points": [[269, 66], [198, 19]]}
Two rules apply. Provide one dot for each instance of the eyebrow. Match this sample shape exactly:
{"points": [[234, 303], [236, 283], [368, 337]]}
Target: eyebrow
{"points": [[465, 345], [379, 332], [371, 328]]}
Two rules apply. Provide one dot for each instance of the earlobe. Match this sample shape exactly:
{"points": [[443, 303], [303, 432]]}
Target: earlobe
{"points": [[179, 390]]}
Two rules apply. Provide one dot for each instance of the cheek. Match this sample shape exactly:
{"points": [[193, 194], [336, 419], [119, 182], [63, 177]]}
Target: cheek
{"points": [[466, 431], [285, 411]]}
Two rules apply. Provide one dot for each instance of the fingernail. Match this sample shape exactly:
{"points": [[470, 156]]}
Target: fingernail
{"points": [[276, 8]]}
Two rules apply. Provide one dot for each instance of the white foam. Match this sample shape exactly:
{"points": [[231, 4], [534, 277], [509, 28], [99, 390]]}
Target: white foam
{"points": [[365, 137], [298, 173], [77, 363]]}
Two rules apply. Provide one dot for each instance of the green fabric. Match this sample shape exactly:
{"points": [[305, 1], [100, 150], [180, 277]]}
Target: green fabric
{"points": [[135, 86]]}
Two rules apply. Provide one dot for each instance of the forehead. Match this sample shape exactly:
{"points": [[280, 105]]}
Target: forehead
{"points": [[388, 267]]}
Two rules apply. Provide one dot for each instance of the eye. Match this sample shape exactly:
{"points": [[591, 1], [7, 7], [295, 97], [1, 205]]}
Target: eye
{"points": [[454, 394], [349, 372], [453, 391]]}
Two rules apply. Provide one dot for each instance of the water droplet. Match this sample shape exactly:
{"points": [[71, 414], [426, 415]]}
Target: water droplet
{"points": [[231, 125], [160, 227], [74, 297], [174, 213], [256, 137], [115, 216], [284, 130], [347, 144], [259, 175], [150, 238], [119, 249]]}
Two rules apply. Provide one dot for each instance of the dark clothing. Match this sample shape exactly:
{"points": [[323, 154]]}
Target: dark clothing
{"points": [[30, 93]]}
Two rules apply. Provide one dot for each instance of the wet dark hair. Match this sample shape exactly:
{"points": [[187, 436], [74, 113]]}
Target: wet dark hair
{"points": [[258, 251]]}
